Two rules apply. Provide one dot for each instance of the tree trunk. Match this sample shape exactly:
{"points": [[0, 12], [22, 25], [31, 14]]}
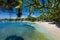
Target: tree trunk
{"points": [[19, 12]]}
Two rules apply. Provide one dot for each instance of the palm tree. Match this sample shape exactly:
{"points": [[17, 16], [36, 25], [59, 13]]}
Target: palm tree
{"points": [[34, 5]]}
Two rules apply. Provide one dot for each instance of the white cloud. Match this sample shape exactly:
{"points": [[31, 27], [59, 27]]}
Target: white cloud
{"points": [[24, 17], [33, 15]]}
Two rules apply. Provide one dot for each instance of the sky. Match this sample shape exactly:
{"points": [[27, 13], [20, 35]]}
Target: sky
{"points": [[5, 14]]}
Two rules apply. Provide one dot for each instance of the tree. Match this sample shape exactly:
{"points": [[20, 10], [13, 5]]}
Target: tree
{"points": [[50, 7], [30, 18]]}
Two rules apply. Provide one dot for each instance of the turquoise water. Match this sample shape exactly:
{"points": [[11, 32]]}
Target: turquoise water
{"points": [[20, 29]]}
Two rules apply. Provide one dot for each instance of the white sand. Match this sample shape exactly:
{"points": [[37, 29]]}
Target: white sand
{"points": [[52, 29]]}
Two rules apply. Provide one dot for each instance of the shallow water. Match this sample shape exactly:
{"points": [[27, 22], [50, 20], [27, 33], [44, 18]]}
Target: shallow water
{"points": [[20, 29]]}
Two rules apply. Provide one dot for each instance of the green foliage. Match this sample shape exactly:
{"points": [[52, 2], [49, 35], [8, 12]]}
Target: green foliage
{"points": [[42, 17], [52, 6], [31, 18]]}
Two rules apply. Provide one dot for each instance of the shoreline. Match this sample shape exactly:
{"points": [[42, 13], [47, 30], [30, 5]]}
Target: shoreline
{"points": [[51, 28]]}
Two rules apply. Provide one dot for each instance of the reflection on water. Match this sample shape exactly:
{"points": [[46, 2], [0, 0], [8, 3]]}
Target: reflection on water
{"points": [[20, 30]]}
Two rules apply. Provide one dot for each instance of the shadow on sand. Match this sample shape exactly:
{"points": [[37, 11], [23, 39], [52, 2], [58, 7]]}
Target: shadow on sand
{"points": [[57, 24]]}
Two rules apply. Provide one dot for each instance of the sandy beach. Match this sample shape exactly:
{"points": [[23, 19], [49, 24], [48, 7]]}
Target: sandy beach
{"points": [[52, 29]]}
